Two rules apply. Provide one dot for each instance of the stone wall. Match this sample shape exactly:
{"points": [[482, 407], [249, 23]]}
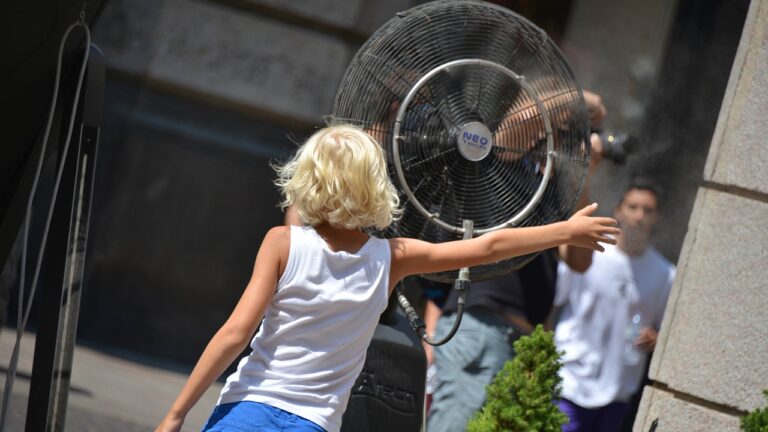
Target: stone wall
{"points": [[236, 56], [709, 365]]}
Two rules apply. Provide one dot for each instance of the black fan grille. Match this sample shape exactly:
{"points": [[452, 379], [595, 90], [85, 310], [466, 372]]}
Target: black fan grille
{"points": [[492, 190]]}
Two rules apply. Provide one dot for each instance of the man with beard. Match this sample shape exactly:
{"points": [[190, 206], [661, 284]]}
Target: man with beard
{"points": [[610, 317]]}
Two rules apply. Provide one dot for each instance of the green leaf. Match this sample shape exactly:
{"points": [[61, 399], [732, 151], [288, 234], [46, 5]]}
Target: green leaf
{"points": [[757, 420], [521, 396]]}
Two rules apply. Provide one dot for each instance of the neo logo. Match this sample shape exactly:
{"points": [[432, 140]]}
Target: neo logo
{"points": [[474, 141], [475, 138]]}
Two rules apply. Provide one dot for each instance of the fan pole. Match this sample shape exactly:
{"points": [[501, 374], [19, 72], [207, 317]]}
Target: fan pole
{"points": [[461, 284]]}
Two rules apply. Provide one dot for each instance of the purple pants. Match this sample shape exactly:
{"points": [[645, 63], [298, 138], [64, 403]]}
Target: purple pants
{"points": [[605, 419]]}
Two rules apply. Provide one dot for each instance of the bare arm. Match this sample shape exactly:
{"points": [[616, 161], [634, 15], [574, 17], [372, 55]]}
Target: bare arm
{"points": [[595, 108], [432, 313], [411, 256], [577, 258], [234, 335]]}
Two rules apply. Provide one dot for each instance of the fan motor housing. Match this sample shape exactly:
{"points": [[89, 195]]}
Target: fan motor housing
{"points": [[474, 141]]}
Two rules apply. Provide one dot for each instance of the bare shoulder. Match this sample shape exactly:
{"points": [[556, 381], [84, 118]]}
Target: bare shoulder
{"points": [[280, 231], [276, 247], [279, 237]]}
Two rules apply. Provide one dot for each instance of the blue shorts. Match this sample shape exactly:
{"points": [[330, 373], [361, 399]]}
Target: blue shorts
{"points": [[249, 416]]}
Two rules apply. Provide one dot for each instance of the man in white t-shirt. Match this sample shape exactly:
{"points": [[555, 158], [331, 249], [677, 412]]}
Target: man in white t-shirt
{"points": [[610, 317]]}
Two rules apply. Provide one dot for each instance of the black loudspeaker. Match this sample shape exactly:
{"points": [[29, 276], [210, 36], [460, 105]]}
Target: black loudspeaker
{"points": [[389, 393]]}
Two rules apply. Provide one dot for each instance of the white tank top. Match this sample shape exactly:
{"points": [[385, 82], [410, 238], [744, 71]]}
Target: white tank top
{"points": [[312, 342]]}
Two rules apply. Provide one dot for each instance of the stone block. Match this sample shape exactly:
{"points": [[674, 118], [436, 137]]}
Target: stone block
{"points": [[713, 341], [737, 156], [222, 54], [677, 415]]}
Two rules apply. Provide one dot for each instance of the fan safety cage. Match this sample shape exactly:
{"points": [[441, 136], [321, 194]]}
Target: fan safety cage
{"points": [[480, 117]]}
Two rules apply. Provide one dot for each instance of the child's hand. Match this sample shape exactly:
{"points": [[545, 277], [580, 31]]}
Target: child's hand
{"points": [[589, 232], [170, 424]]}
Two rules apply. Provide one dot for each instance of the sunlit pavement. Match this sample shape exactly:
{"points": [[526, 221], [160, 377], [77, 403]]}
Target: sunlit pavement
{"points": [[108, 392]]}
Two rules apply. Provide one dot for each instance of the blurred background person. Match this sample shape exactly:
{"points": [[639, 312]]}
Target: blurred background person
{"points": [[611, 315]]}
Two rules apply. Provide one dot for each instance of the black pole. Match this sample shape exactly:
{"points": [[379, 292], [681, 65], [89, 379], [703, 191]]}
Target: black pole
{"points": [[64, 262]]}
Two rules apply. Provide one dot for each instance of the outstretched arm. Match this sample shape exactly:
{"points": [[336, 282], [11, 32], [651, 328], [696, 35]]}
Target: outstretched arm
{"points": [[234, 335], [411, 256]]}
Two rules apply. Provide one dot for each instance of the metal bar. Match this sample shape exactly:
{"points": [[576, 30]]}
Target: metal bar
{"points": [[64, 264], [50, 308]]}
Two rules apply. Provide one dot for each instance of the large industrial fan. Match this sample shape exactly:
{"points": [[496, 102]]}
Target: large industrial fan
{"points": [[480, 116]]}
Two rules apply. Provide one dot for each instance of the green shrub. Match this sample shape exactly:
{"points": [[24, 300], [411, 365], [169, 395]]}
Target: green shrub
{"points": [[521, 397], [757, 420]]}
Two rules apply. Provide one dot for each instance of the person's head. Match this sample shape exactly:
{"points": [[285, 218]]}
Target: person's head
{"points": [[339, 176], [638, 211]]}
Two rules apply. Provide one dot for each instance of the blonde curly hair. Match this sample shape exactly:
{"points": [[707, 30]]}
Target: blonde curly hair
{"points": [[339, 176]]}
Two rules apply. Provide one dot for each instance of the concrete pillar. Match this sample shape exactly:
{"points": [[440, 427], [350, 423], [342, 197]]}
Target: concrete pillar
{"points": [[710, 363]]}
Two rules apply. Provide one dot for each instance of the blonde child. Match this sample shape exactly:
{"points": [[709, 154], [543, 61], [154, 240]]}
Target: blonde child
{"points": [[318, 290]]}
